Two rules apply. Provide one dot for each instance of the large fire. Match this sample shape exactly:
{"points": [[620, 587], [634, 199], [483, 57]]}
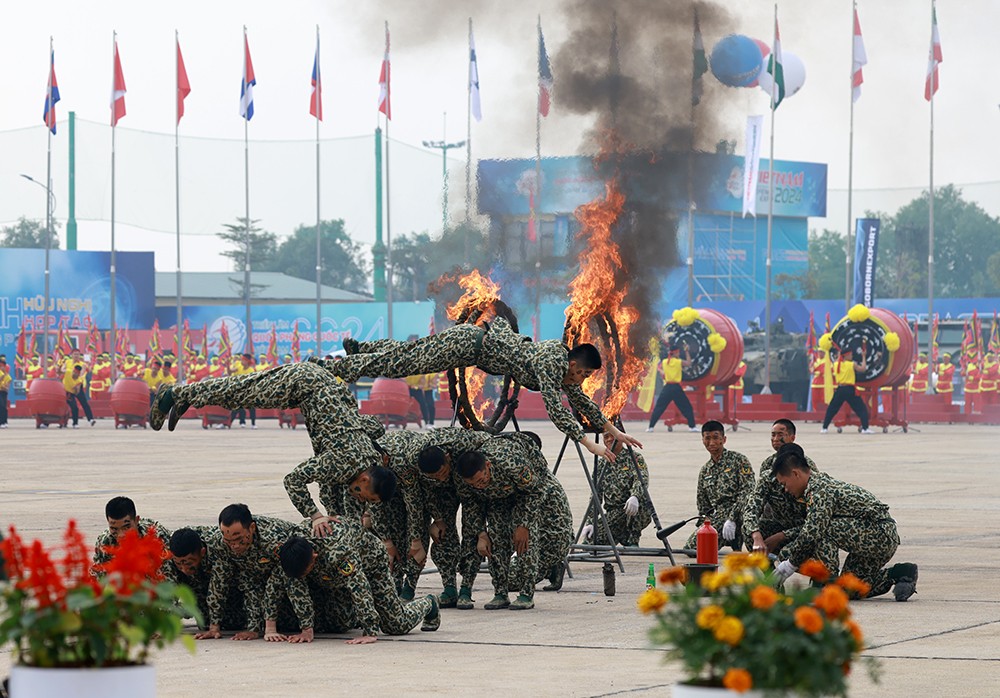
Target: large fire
{"points": [[597, 312]]}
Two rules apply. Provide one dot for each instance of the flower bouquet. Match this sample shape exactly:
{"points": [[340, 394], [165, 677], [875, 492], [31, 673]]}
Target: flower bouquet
{"points": [[738, 632], [57, 614]]}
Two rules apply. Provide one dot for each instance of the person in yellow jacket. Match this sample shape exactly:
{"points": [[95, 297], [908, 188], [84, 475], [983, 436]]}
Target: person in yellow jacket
{"points": [[153, 374], [75, 383], [989, 383], [673, 367], [244, 365], [5, 381], [33, 371], [736, 389], [262, 363], [973, 378], [845, 372]]}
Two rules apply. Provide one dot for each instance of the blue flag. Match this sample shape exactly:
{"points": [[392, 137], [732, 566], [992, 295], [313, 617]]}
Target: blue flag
{"points": [[51, 95]]}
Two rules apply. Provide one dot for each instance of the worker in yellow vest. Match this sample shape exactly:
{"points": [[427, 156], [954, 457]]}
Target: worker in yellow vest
{"points": [[945, 376], [75, 383], [673, 367], [973, 376], [33, 371]]}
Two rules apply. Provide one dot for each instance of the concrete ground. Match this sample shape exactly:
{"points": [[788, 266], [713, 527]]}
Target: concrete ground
{"points": [[942, 484]]}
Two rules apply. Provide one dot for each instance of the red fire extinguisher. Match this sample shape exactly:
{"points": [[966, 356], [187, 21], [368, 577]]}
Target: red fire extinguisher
{"points": [[708, 544]]}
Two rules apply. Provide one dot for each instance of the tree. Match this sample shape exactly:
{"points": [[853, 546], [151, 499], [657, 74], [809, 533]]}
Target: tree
{"points": [[263, 245], [827, 262], [418, 260], [28, 233], [343, 262]]}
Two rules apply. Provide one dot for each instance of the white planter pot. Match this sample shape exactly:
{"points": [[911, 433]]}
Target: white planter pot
{"points": [[112, 682], [683, 690]]}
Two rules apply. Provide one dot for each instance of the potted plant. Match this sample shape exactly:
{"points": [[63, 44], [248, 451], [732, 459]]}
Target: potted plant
{"points": [[74, 634], [737, 633]]}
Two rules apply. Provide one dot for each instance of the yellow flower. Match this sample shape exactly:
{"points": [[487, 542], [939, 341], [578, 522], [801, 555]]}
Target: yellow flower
{"points": [[709, 617], [652, 600], [760, 561], [673, 575], [858, 313], [738, 680], [713, 581], [808, 619], [736, 561], [763, 597], [730, 630]]}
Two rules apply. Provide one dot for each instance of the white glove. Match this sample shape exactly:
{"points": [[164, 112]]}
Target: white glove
{"points": [[631, 507], [588, 531], [783, 571], [729, 530]]}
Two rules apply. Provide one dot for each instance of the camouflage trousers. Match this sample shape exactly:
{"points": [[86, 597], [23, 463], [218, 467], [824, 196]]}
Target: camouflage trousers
{"points": [[625, 529], [234, 615], [457, 346], [452, 556], [869, 545], [391, 520], [555, 530], [396, 617], [511, 575]]}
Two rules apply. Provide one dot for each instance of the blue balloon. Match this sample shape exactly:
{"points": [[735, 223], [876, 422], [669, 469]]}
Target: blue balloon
{"points": [[736, 60]]}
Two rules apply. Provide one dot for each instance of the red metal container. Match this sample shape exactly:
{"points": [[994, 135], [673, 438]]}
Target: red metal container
{"points": [[130, 402], [47, 402], [708, 544], [390, 401]]}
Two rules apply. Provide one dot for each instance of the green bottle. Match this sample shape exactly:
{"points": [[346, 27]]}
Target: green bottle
{"points": [[651, 578]]}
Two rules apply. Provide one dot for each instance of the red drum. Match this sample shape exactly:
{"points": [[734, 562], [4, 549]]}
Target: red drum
{"points": [[873, 335], [47, 402], [130, 402], [708, 367]]}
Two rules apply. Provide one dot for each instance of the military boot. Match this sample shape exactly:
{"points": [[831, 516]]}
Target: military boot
{"points": [[904, 576]]}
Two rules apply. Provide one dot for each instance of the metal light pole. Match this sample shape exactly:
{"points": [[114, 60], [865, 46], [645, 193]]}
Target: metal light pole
{"points": [[444, 146], [50, 208]]}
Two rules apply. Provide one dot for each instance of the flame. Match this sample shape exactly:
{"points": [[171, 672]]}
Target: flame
{"points": [[480, 294], [597, 312]]}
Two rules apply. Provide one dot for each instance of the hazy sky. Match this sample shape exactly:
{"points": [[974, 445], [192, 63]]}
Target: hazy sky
{"points": [[429, 64]]}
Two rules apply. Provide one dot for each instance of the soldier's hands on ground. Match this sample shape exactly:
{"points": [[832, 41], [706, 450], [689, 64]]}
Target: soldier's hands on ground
{"points": [[783, 571], [437, 530], [759, 545], [484, 546], [246, 635], [305, 636], [417, 552], [631, 507], [213, 633], [363, 640], [271, 633], [729, 530], [394, 556], [520, 540]]}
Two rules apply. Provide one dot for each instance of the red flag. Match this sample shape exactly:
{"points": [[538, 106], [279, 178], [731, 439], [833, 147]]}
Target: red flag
{"points": [[545, 82], [153, 347], [811, 337], [63, 346], [183, 86], [122, 342], [316, 98], [203, 351], [272, 347], [532, 234], [994, 344], [934, 59], [859, 59], [225, 346], [249, 80], [934, 339], [826, 328], [51, 95], [21, 358], [117, 90], [384, 104], [295, 342], [189, 351]]}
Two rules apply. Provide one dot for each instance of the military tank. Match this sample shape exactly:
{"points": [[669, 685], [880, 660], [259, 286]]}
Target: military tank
{"points": [[789, 365]]}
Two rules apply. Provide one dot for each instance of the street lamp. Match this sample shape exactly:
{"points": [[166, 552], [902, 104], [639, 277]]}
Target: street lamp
{"points": [[50, 208], [444, 146]]}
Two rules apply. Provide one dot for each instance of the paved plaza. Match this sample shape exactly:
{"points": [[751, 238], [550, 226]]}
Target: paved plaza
{"points": [[941, 483]]}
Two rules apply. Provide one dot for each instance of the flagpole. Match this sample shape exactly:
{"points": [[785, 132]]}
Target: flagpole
{"points": [[177, 203], [690, 178], [850, 176], [766, 390], [48, 218], [319, 252], [114, 127], [930, 242], [537, 329], [246, 192], [468, 150]]}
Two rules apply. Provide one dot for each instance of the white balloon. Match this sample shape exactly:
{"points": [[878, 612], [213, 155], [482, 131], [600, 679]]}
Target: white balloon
{"points": [[794, 70]]}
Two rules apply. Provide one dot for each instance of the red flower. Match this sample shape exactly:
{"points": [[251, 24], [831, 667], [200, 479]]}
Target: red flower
{"points": [[134, 560], [76, 562], [43, 580]]}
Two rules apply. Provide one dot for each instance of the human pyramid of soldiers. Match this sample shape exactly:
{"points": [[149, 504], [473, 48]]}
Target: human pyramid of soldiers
{"points": [[391, 497]]}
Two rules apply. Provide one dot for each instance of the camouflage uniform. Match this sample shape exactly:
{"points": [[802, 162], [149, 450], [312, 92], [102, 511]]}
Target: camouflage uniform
{"points": [[233, 612], [723, 489], [769, 509], [539, 366], [107, 540], [521, 492], [842, 516], [250, 571], [341, 437], [617, 482], [354, 560]]}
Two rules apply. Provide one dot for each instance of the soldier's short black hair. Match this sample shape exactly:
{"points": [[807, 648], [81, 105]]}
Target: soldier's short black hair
{"points": [[789, 457], [295, 555], [119, 508], [787, 423], [431, 459], [470, 463], [585, 356], [185, 541], [236, 512], [713, 425], [383, 482]]}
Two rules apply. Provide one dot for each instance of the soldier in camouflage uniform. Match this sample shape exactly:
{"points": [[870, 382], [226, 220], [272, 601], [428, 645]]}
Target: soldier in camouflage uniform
{"points": [[121, 516], [724, 483], [772, 517], [249, 558], [352, 558], [548, 367], [341, 438], [509, 495], [841, 516], [624, 497], [439, 490], [196, 552]]}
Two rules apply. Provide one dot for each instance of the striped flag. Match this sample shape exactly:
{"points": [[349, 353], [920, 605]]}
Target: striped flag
{"points": [[994, 344], [51, 95], [316, 98], [296, 351], [183, 85], [775, 69], [117, 90], [859, 59], [934, 59], [545, 82], [384, 92], [272, 346], [246, 87], [700, 62], [474, 101]]}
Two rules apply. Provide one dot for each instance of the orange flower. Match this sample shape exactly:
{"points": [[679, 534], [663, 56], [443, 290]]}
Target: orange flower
{"points": [[709, 617], [729, 630], [815, 570], [736, 561], [652, 600], [808, 619], [673, 575], [850, 582], [763, 597], [832, 601], [855, 631], [738, 680]]}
